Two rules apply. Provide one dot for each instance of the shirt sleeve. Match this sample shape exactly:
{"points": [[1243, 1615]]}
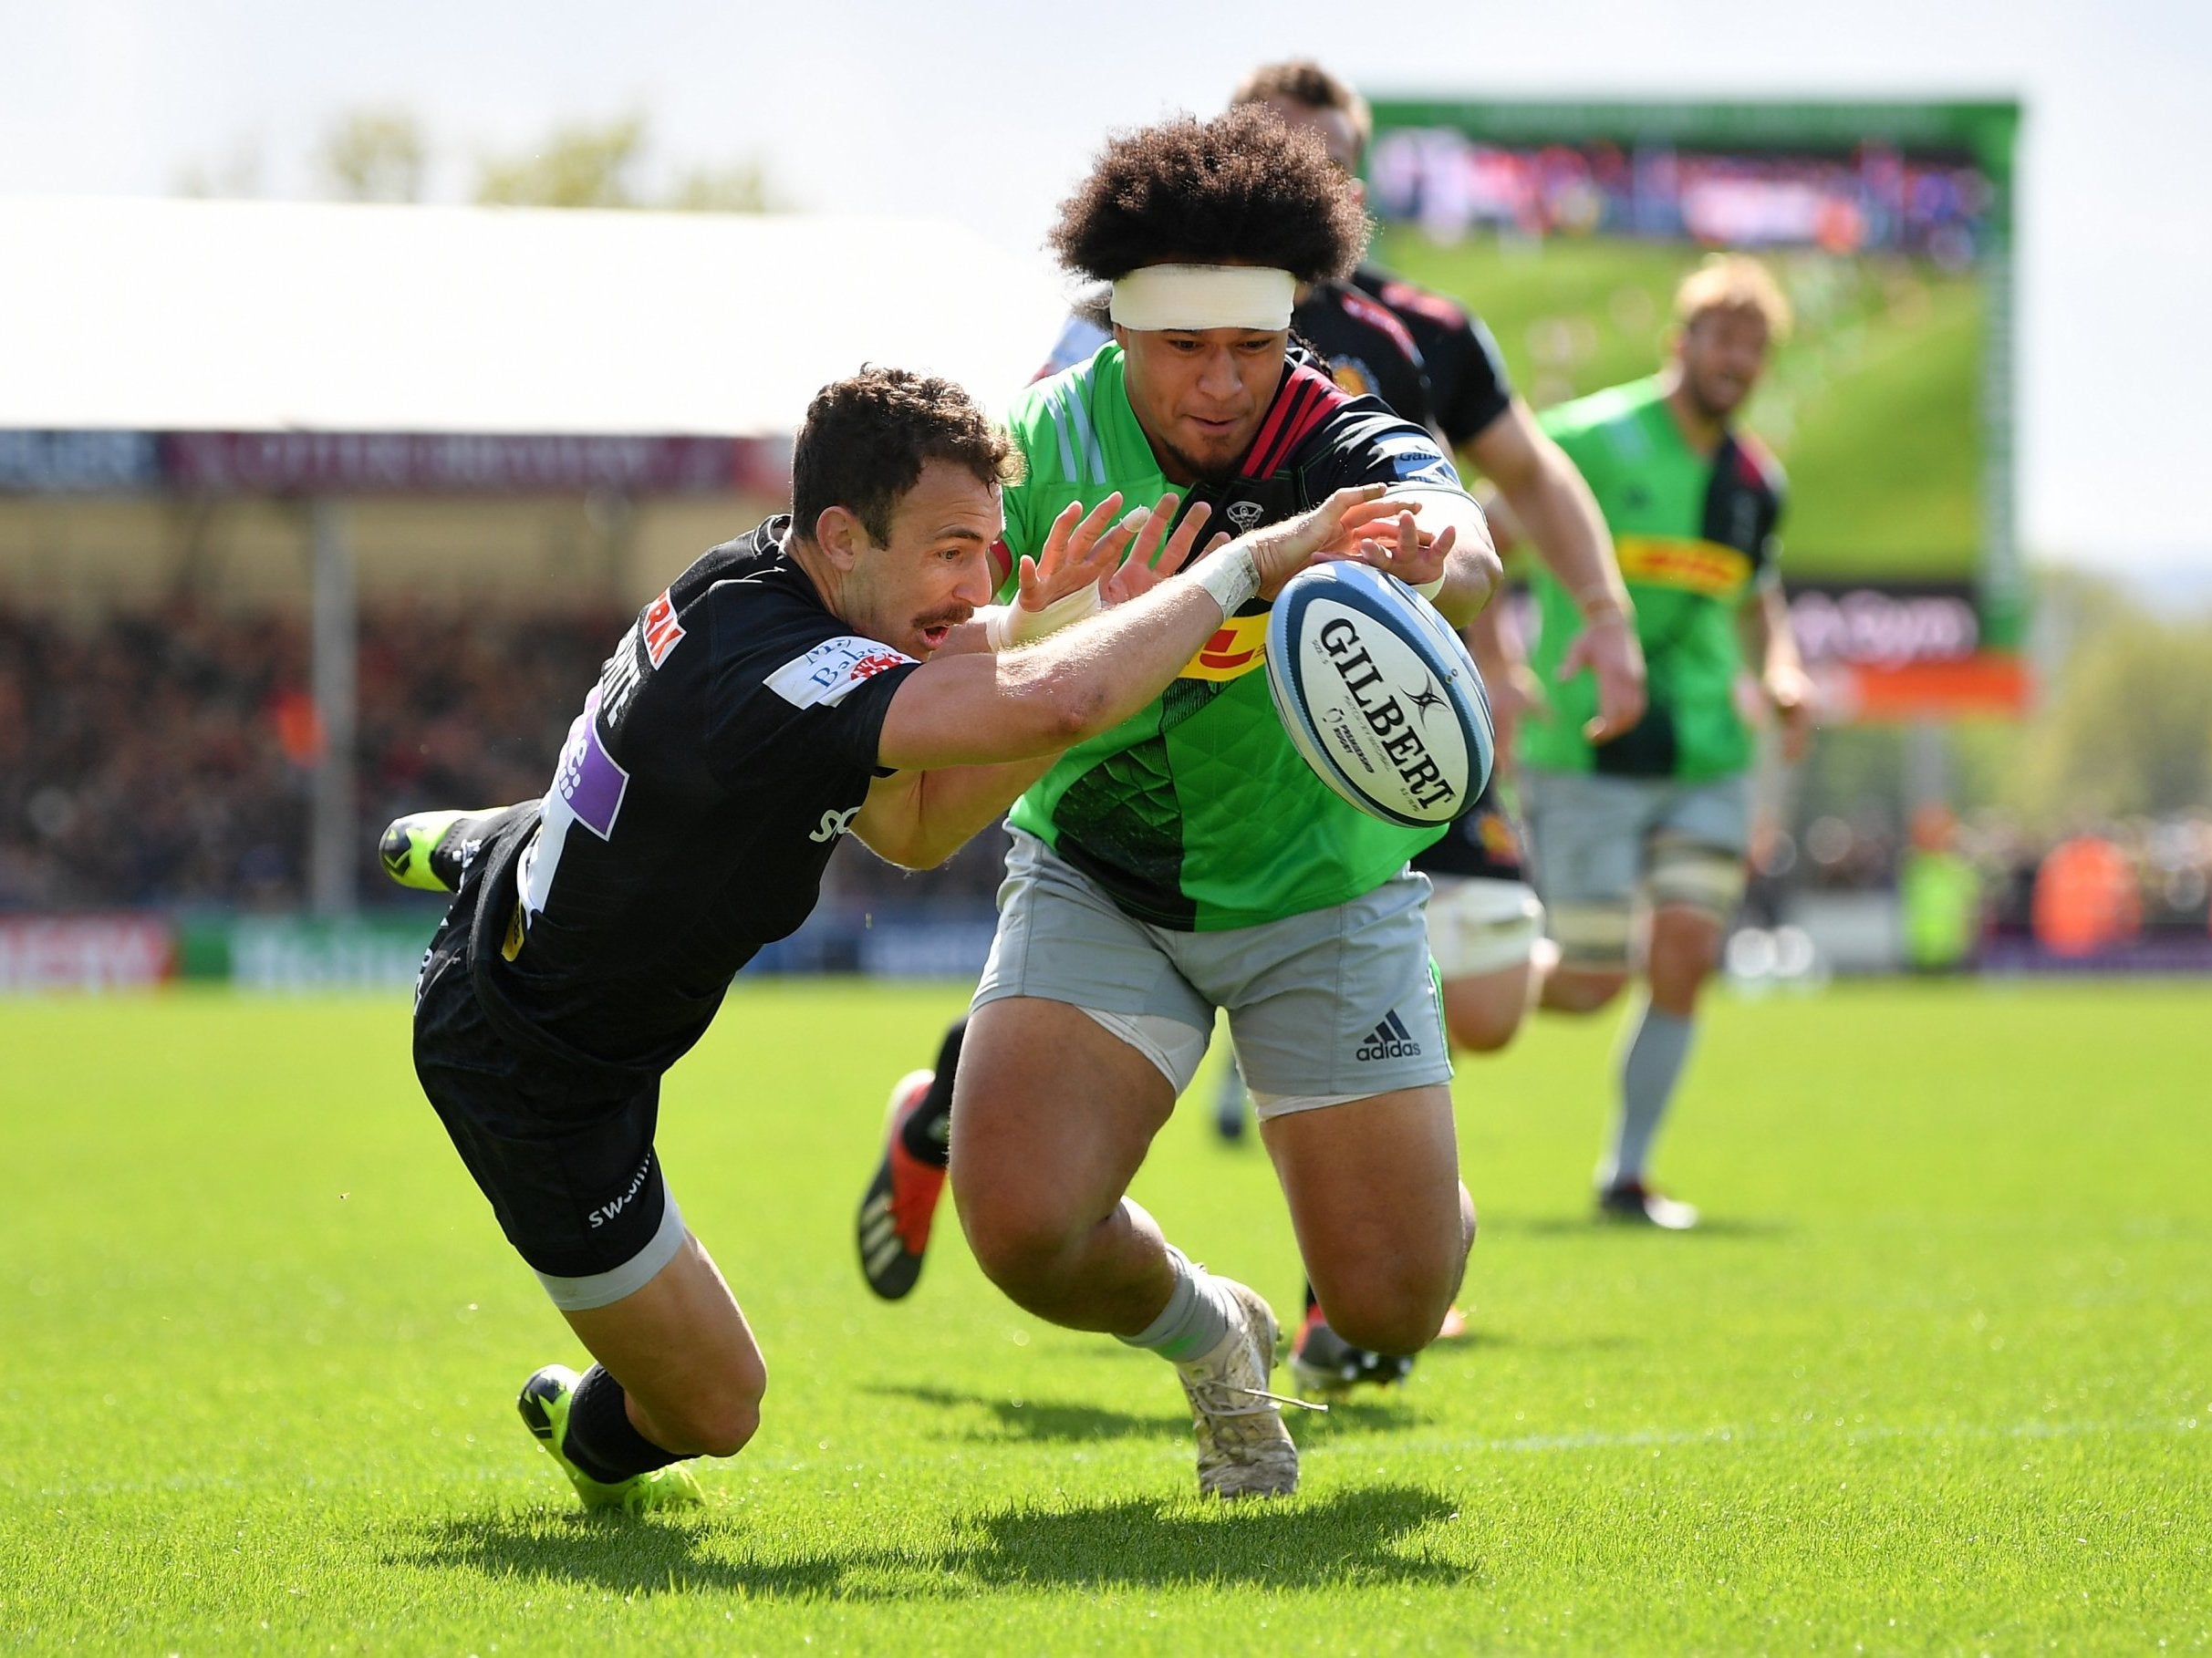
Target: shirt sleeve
{"points": [[806, 692], [1480, 390], [1362, 442]]}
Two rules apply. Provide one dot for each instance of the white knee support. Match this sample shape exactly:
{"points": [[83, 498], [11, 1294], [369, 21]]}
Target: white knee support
{"points": [[1477, 926]]}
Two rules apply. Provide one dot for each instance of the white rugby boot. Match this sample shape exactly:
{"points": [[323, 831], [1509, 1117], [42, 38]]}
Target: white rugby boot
{"points": [[1243, 1448]]}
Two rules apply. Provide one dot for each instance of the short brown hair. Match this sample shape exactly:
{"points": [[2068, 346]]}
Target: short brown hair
{"points": [[866, 438], [1734, 281], [1304, 82], [1243, 188]]}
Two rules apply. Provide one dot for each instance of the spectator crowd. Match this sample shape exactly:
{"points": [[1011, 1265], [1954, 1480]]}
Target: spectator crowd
{"points": [[166, 758]]}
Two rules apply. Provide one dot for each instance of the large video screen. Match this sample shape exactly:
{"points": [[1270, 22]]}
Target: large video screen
{"points": [[1566, 227]]}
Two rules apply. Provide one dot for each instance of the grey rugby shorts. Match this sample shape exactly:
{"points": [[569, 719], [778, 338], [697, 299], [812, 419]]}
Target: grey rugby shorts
{"points": [[1335, 1005], [1603, 842]]}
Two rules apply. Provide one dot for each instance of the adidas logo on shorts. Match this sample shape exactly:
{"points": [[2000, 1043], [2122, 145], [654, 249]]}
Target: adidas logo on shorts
{"points": [[1389, 1039]]}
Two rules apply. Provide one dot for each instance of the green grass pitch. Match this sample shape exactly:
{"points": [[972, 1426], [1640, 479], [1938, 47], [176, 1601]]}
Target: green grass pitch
{"points": [[1938, 1377]]}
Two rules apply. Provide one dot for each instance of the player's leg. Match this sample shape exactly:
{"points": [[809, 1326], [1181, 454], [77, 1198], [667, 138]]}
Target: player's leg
{"points": [[1587, 833], [1695, 877], [1482, 934], [1054, 1115], [1082, 1036], [895, 1211], [1382, 1220], [682, 1359], [565, 1158], [1332, 1011], [429, 849]]}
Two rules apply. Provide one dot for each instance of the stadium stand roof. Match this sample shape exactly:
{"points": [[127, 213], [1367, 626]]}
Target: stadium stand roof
{"points": [[261, 316]]}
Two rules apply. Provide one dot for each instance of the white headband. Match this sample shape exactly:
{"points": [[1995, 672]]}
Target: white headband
{"points": [[1204, 297]]}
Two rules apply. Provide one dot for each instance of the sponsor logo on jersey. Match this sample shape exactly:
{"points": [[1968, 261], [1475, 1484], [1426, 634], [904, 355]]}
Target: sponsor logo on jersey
{"points": [[588, 782], [1245, 514], [828, 673], [1352, 374], [1389, 1039], [1693, 565], [1238, 646], [1384, 710], [659, 629], [834, 824]]}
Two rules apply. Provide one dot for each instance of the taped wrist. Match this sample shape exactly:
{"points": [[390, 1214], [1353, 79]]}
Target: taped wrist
{"points": [[1231, 576], [1005, 625]]}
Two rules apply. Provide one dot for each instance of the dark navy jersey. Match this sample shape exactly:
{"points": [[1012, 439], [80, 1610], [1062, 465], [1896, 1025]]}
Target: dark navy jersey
{"points": [[728, 742], [1369, 351], [1467, 379]]}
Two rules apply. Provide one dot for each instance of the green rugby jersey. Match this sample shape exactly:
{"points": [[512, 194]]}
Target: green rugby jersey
{"points": [[1693, 534], [1196, 814]]}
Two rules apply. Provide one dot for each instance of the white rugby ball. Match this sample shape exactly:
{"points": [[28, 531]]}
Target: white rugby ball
{"points": [[1379, 695]]}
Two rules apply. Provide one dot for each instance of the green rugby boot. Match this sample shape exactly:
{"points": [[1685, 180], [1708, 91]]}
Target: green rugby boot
{"points": [[544, 1404], [426, 850]]}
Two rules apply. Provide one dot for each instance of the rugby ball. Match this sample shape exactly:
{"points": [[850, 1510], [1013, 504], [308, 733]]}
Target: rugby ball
{"points": [[1379, 695]]}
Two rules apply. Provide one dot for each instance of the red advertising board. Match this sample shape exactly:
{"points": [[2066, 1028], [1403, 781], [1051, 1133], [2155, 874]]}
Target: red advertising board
{"points": [[85, 953]]}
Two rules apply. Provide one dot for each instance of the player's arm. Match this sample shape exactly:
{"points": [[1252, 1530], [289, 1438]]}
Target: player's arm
{"points": [[1769, 644], [1552, 508], [918, 819], [1031, 702]]}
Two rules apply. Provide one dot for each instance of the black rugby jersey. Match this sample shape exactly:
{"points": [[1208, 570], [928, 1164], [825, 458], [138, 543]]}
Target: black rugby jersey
{"points": [[1369, 351], [1467, 378], [729, 741]]}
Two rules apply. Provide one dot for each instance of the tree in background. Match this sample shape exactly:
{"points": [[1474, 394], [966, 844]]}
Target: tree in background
{"points": [[579, 165], [2126, 727], [584, 164], [375, 155]]}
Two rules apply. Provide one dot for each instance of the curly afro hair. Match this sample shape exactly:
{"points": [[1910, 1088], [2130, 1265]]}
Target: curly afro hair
{"points": [[1241, 189]]}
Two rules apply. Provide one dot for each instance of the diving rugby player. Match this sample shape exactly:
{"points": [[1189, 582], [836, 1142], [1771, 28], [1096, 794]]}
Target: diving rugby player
{"points": [[820, 675]]}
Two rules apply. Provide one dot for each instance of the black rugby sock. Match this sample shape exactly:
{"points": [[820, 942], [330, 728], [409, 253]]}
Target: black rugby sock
{"points": [[602, 1442], [928, 1135]]}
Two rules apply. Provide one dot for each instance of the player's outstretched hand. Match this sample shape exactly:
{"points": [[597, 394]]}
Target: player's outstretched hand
{"points": [[1338, 528], [1403, 550], [1081, 549], [1608, 648], [1156, 554]]}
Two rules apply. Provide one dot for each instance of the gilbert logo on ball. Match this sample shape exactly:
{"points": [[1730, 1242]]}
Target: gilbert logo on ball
{"points": [[1379, 695]]}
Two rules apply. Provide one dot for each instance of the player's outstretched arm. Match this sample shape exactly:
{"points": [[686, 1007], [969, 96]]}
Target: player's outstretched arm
{"points": [[918, 819], [1082, 682], [1553, 506]]}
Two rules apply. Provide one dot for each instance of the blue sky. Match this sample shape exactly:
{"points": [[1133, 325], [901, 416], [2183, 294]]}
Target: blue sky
{"points": [[985, 111]]}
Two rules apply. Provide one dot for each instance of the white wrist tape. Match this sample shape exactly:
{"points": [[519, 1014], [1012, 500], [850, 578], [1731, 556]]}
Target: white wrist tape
{"points": [[1427, 590], [1232, 575], [1005, 625]]}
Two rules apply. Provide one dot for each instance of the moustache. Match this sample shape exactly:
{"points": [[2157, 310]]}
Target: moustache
{"points": [[951, 615]]}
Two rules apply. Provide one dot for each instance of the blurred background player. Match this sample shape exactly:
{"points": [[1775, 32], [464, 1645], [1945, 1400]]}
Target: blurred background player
{"points": [[1663, 811]]}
